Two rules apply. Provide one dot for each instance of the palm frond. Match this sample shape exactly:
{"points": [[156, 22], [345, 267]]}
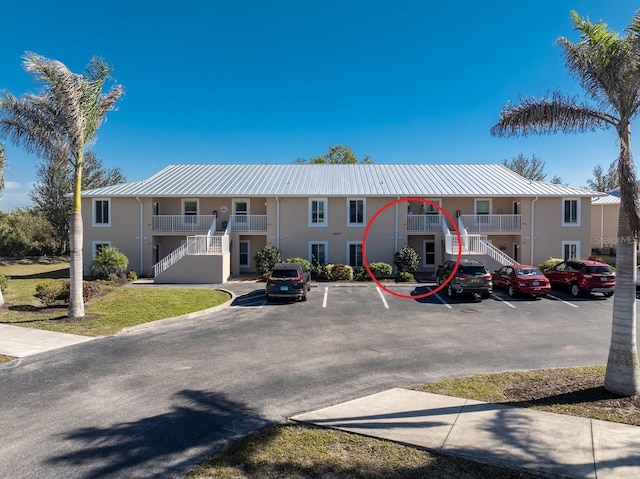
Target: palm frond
{"points": [[549, 115]]}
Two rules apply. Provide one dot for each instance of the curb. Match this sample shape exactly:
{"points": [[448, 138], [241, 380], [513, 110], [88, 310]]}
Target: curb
{"points": [[195, 314]]}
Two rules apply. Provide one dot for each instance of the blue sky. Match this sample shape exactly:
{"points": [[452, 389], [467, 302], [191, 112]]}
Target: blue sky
{"points": [[267, 82]]}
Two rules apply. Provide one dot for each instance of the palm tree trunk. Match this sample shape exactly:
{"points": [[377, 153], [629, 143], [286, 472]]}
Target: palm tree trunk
{"points": [[623, 372], [76, 300]]}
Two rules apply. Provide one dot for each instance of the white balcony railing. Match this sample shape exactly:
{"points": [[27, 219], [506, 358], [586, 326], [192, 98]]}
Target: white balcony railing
{"points": [[204, 223], [417, 223], [182, 223], [491, 222], [248, 222]]}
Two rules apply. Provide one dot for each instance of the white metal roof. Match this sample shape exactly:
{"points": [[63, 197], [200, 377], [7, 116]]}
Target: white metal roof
{"points": [[422, 180], [606, 200]]}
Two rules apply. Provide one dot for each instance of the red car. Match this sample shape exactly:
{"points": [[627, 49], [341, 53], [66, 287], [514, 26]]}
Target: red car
{"points": [[583, 276], [521, 279]]}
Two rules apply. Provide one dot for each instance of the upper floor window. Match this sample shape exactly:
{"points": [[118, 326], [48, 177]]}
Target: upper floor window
{"points": [[101, 213], [190, 211], [356, 213], [570, 212], [317, 212]]}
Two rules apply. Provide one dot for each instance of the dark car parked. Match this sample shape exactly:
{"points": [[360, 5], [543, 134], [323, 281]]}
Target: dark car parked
{"points": [[288, 280], [471, 277], [521, 279], [583, 277]]}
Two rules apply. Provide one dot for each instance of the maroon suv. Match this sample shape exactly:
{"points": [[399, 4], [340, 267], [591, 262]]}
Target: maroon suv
{"points": [[582, 276]]}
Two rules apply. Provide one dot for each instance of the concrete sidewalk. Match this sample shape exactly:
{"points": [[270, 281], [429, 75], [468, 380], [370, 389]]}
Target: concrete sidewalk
{"points": [[518, 438], [19, 342]]}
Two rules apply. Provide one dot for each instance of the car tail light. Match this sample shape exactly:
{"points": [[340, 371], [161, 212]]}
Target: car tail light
{"points": [[299, 279], [487, 276]]}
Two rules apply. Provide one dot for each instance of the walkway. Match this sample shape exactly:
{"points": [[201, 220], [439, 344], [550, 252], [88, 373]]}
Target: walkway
{"points": [[518, 438], [19, 342]]}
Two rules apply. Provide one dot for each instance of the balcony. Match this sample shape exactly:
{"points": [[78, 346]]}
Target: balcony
{"points": [[424, 223], [203, 223], [494, 223]]}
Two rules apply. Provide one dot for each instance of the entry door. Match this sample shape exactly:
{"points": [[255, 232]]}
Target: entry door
{"points": [[429, 254], [244, 253]]}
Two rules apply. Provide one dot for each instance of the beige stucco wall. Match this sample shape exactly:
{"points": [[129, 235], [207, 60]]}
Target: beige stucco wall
{"points": [[197, 269], [292, 234], [604, 226]]}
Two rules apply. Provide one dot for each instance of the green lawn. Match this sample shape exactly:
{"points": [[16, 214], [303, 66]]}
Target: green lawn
{"points": [[115, 308]]}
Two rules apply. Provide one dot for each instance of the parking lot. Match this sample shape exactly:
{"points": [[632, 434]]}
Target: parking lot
{"points": [[357, 299]]}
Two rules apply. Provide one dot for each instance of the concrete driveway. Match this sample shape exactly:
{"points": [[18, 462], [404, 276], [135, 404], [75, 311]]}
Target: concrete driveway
{"points": [[153, 401]]}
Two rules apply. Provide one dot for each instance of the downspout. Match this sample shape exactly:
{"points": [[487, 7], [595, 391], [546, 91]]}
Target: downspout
{"points": [[277, 222], [601, 227], [141, 235], [395, 235], [533, 226]]}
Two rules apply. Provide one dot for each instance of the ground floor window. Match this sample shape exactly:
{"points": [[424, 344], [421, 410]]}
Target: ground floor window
{"points": [[318, 251], [97, 247], [570, 249], [354, 254], [244, 253]]}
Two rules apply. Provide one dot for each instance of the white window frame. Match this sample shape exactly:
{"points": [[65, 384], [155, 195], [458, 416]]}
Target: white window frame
{"points": [[571, 223], [241, 200], [93, 212], [190, 219], [94, 247], [325, 223], [326, 251], [364, 212], [475, 206], [349, 244], [248, 243], [569, 243]]}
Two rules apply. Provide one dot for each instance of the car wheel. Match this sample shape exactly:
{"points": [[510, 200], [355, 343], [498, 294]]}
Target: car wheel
{"points": [[485, 295], [609, 294], [269, 299], [438, 281], [575, 290], [450, 291], [304, 296], [510, 291]]}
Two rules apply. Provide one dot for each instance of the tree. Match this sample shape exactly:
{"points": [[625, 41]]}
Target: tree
{"points": [[51, 193], [530, 168], [3, 159], [604, 181], [58, 123], [26, 232], [337, 155], [607, 66]]}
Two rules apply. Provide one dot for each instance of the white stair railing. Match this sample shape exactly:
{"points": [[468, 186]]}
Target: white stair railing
{"points": [[500, 256], [169, 260]]}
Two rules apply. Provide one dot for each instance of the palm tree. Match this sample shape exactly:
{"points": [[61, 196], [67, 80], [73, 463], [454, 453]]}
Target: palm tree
{"points": [[3, 159], [59, 123], [607, 66]]}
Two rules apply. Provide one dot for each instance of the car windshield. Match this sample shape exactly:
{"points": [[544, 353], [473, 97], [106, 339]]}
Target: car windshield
{"points": [[473, 270], [599, 270], [284, 273], [528, 272]]}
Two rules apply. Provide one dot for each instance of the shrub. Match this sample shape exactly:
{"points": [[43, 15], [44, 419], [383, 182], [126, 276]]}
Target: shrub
{"points": [[4, 282], [406, 259], [380, 269], [550, 263], [404, 277], [360, 274], [341, 272], [595, 257], [265, 259], [132, 275], [320, 272], [108, 261], [50, 291], [89, 290], [304, 262]]}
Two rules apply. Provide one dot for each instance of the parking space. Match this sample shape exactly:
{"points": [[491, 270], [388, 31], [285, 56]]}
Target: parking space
{"points": [[368, 298]]}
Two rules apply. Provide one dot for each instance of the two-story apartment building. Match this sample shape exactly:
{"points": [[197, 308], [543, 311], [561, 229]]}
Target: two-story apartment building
{"points": [[203, 223]]}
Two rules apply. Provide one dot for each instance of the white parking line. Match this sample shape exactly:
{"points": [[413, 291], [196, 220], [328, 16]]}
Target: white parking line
{"points": [[505, 302], [326, 293], [440, 299], [562, 300], [386, 305]]}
